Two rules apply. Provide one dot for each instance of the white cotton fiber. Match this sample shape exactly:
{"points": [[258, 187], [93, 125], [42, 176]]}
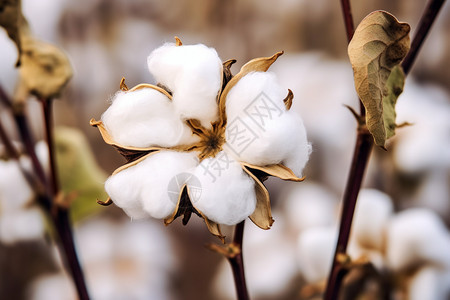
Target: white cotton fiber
{"points": [[259, 129], [429, 283], [145, 118], [146, 188], [415, 236], [372, 213], [226, 194], [194, 75], [15, 191], [308, 205], [21, 225], [316, 248]]}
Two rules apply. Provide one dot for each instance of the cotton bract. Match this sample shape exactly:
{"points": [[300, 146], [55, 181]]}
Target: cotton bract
{"points": [[202, 141]]}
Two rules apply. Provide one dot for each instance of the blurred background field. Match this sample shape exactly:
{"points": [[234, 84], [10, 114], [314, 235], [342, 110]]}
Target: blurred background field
{"points": [[110, 39]]}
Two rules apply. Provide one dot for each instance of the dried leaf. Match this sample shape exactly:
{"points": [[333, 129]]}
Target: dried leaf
{"points": [[262, 216], [44, 70], [279, 170], [11, 19], [379, 44]]}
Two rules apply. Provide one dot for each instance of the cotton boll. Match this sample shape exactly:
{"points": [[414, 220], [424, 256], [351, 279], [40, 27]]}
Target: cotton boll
{"points": [[226, 194], [145, 188], [21, 225], [429, 283], [423, 145], [145, 118], [414, 236], [120, 264], [52, 287], [194, 74], [308, 205], [315, 252], [358, 252], [259, 130], [372, 213]]}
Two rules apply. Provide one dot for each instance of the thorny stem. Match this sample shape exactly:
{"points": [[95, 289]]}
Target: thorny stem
{"points": [[363, 148], [237, 263]]}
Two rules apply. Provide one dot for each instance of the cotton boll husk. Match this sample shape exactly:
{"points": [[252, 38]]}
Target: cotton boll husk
{"points": [[308, 205], [429, 282], [417, 235], [145, 118], [227, 193], [194, 75], [358, 252], [259, 130], [372, 213], [269, 279], [143, 189], [315, 252], [21, 225]]}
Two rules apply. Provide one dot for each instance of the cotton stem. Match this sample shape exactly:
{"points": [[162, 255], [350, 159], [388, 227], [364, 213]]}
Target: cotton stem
{"points": [[237, 263], [364, 145]]}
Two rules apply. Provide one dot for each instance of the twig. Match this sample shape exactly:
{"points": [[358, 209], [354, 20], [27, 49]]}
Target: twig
{"points": [[59, 213], [363, 148], [427, 19], [48, 119], [237, 263]]}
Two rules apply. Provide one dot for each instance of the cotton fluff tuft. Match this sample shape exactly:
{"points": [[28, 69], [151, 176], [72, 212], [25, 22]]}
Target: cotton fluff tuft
{"points": [[256, 114], [316, 247], [372, 213], [227, 193], [414, 236], [145, 118], [145, 188], [194, 75], [429, 283], [301, 212]]}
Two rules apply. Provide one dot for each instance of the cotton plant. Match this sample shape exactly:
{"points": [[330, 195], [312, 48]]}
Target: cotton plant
{"points": [[118, 263], [408, 247], [203, 140]]}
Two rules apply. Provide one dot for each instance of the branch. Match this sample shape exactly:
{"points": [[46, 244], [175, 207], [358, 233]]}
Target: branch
{"points": [[59, 213], [363, 148], [427, 19], [237, 263]]}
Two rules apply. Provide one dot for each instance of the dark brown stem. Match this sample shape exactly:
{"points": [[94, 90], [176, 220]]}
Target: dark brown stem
{"points": [[48, 119], [237, 263], [363, 148], [9, 147], [59, 213], [348, 19], [427, 19]]}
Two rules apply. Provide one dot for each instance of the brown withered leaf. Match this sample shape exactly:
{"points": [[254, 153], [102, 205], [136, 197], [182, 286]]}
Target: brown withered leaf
{"points": [[11, 19], [44, 69], [379, 44]]}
